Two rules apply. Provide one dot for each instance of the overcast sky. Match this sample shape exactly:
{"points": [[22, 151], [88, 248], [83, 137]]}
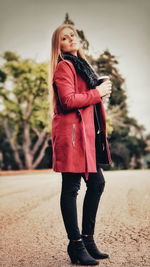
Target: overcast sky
{"points": [[122, 26]]}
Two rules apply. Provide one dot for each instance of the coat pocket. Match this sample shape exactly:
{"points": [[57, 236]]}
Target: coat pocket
{"points": [[73, 133]]}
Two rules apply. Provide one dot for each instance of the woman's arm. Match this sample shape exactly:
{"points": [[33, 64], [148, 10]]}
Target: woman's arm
{"points": [[69, 99]]}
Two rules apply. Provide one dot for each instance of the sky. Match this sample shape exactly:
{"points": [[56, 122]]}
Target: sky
{"points": [[122, 26]]}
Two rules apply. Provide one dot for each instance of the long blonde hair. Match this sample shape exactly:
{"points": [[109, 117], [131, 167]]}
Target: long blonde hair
{"points": [[55, 53]]}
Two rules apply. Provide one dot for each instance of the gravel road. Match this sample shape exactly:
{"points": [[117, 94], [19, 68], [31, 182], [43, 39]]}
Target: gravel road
{"points": [[32, 230]]}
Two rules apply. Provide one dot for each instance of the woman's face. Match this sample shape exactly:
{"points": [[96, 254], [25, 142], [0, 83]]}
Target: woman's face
{"points": [[69, 42]]}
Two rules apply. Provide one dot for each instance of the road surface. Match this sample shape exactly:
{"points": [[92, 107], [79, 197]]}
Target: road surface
{"points": [[32, 230]]}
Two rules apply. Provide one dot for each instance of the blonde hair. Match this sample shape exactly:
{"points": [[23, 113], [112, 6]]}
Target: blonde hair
{"points": [[55, 53]]}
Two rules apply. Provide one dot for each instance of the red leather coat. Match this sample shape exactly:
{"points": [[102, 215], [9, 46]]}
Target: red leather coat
{"points": [[73, 123]]}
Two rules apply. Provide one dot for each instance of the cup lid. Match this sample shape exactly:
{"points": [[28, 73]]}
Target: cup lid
{"points": [[103, 77]]}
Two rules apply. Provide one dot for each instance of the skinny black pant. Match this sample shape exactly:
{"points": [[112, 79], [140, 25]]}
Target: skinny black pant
{"points": [[70, 187]]}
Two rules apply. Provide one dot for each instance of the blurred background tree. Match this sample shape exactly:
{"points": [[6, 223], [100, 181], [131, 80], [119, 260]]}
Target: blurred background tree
{"points": [[24, 116], [126, 136]]}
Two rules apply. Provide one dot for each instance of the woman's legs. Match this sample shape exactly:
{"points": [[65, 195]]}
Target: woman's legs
{"points": [[70, 186], [76, 250], [85, 250], [95, 186]]}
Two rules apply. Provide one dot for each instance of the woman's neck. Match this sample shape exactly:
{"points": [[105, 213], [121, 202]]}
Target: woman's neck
{"points": [[73, 54]]}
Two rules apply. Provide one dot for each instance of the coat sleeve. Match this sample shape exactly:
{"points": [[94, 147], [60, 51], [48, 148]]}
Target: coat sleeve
{"points": [[69, 99]]}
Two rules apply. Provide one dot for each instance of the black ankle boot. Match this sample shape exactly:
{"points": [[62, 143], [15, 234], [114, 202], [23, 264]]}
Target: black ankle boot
{"points": [[78, 254], [92, 248]]}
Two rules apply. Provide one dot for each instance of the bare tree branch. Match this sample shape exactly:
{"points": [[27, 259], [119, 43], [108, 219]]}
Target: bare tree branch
{"points": [[36, 131], [39, 141], [13, 145], [40, 156], [27, 145]]}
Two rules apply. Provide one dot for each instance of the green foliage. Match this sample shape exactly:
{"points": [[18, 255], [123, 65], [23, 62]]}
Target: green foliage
{"points": [[24, 106], [106, 65], [26, 91]]}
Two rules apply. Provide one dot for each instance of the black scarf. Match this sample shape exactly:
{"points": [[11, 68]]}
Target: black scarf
{"points": [[82, 68]]}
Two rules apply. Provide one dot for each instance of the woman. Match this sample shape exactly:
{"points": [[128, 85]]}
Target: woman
{"points": [[78, 139]]}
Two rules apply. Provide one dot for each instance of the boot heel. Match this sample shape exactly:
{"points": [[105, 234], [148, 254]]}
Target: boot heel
{"points": [[72, 256], [73, 259]]}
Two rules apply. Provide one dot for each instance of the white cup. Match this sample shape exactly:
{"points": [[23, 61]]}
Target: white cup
{"points": [[102, 79]]}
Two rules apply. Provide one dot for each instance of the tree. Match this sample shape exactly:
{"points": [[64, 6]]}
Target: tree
{"points": [[125, 134], [24, 117]]}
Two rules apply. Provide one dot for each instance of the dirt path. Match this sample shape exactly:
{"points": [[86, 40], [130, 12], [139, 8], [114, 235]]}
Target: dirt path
{"points": [[33, 234]]}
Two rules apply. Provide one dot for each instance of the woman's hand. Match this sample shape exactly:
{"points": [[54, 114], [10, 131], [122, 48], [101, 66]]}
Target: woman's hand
{"points": [[105, 88]]}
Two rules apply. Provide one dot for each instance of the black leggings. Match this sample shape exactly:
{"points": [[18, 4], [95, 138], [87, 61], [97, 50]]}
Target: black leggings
{"points": [[70, 186]]}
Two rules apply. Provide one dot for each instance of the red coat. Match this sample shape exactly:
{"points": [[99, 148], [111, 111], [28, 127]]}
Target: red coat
{"points": [[73, 128]]}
